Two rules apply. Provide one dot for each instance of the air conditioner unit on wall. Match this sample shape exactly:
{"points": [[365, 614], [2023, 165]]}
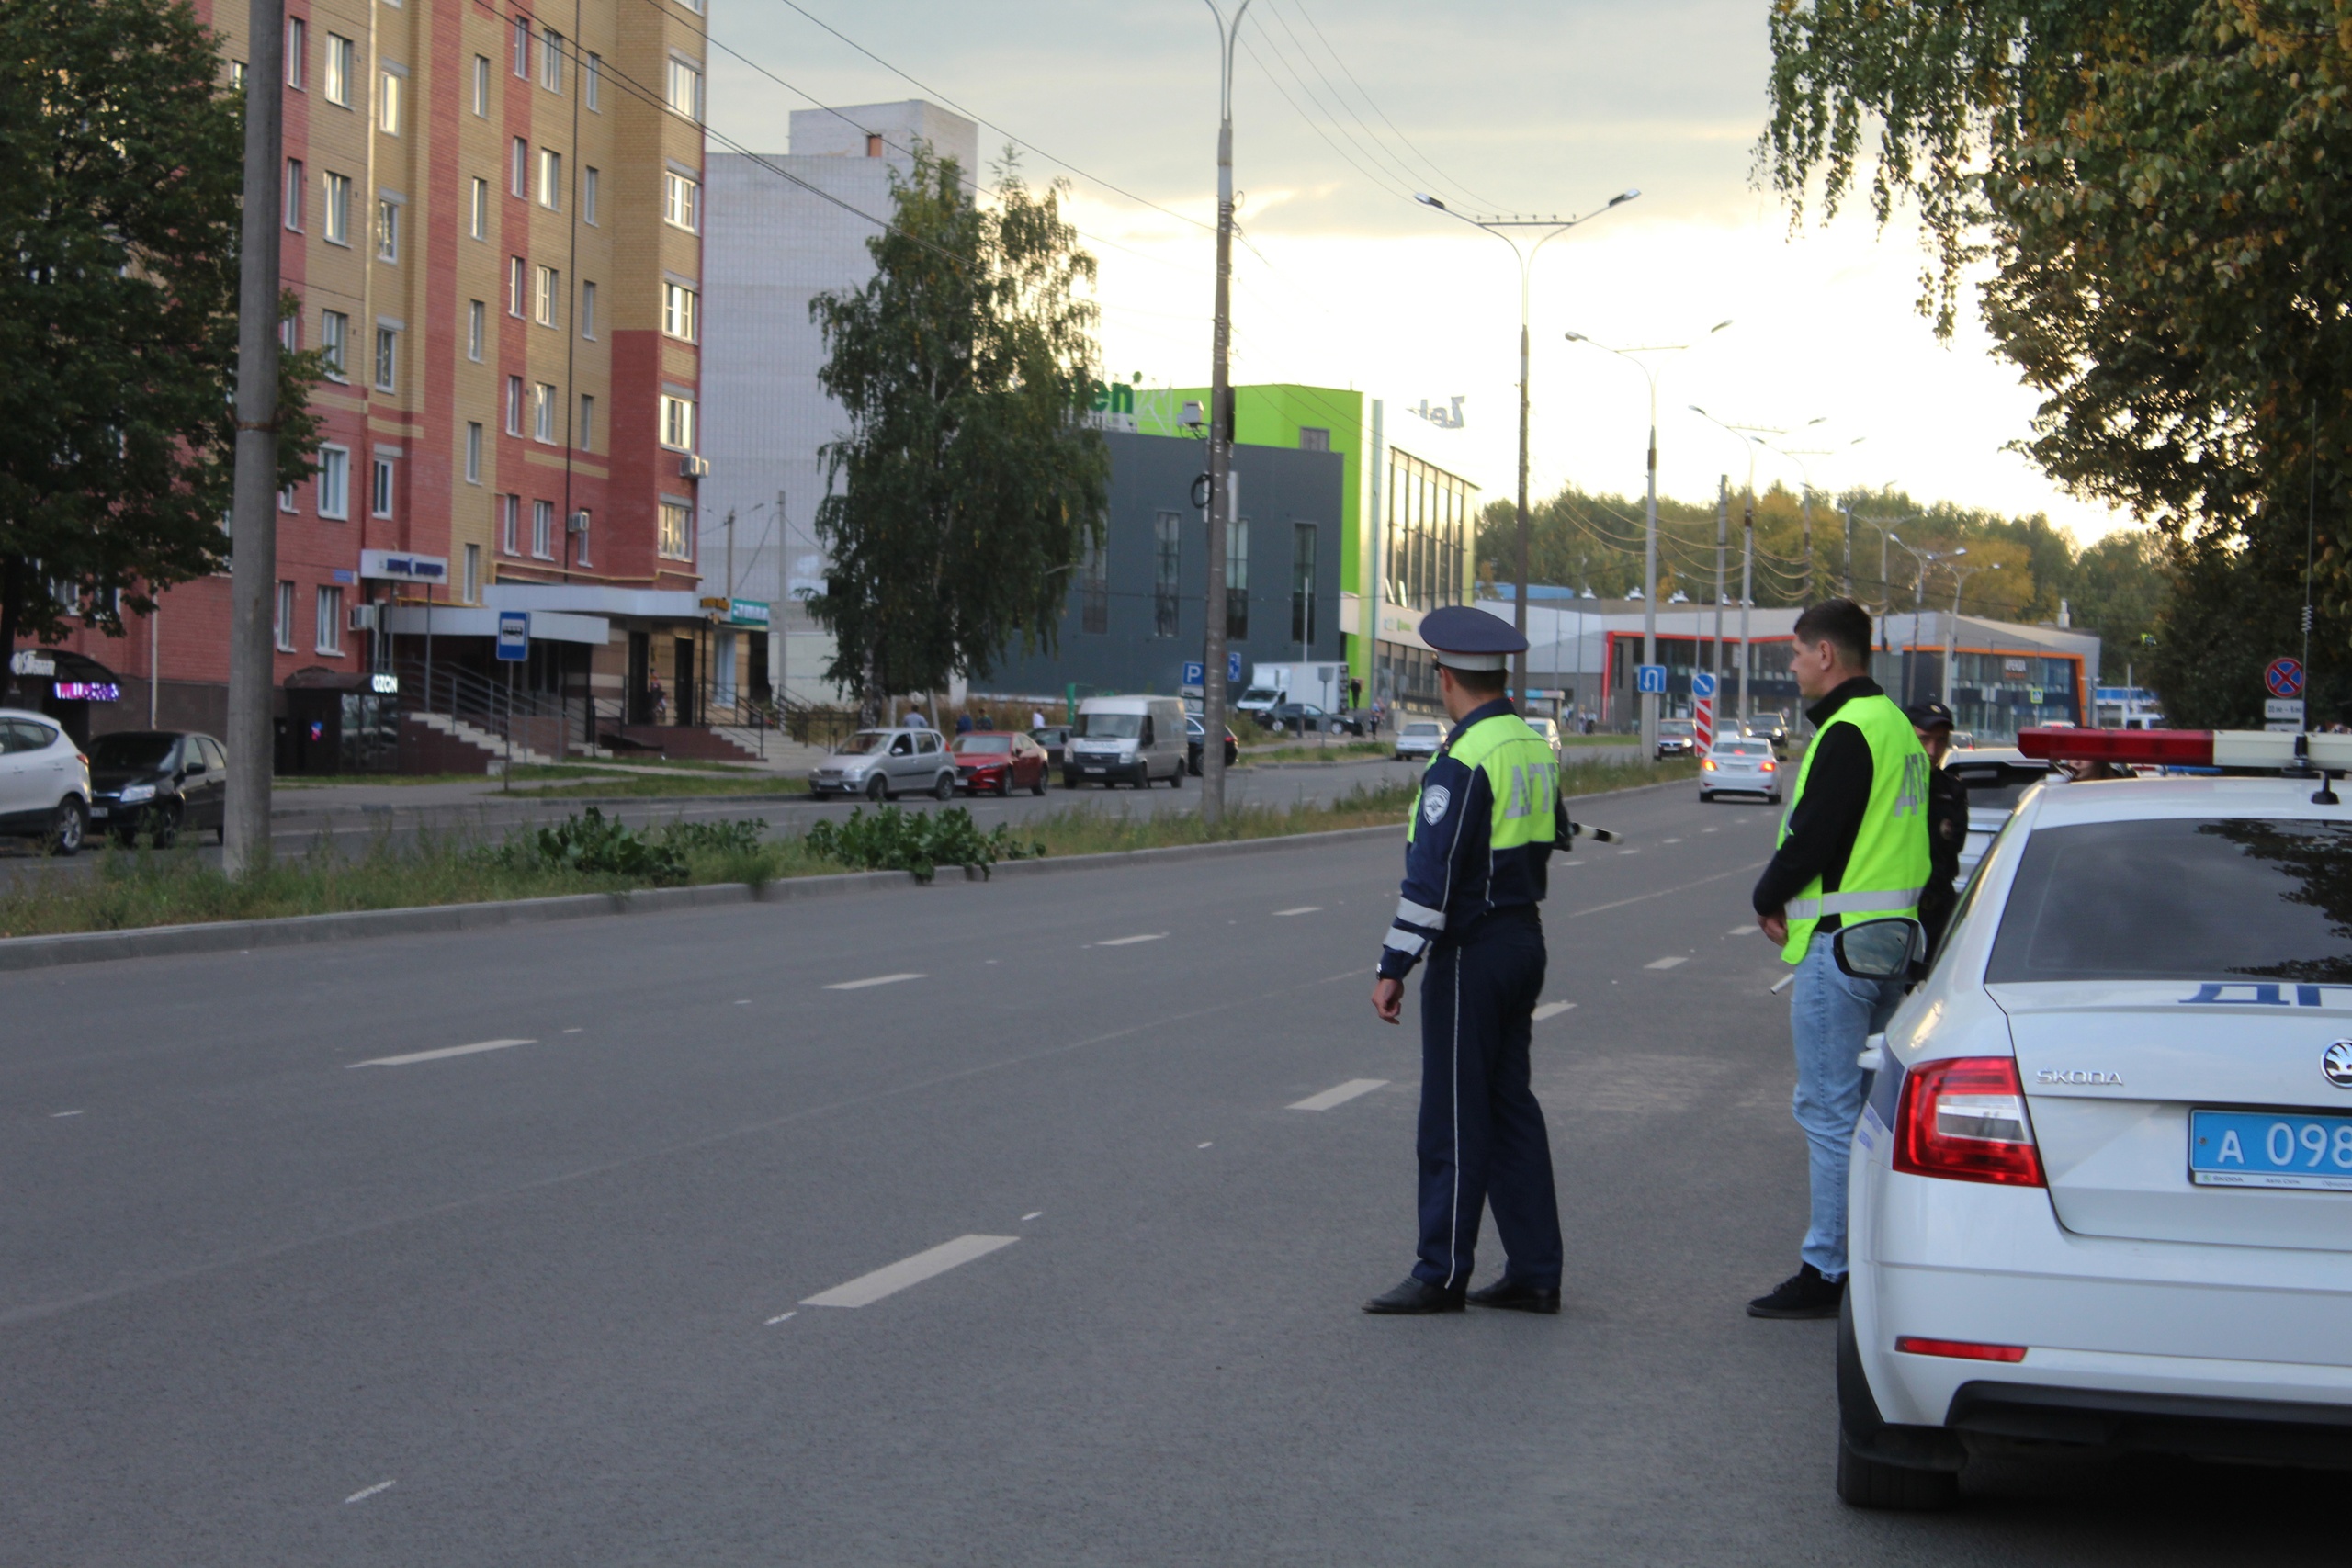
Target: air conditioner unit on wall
{"points": [[694, 467], [363, 617], [579, 523]]}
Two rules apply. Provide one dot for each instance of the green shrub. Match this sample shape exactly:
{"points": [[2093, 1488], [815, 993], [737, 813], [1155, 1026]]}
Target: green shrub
{"points": [[921, 842], [591, 843]]}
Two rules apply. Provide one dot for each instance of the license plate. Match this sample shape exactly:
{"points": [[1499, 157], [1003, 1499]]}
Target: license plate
{"points": [[1095, 770], [2301, 1150], [97, 812]]}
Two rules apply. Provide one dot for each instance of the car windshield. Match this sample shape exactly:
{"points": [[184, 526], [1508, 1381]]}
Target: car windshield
{"points": [[996, 744], [134, 749], [2180, 899], [866, 742], [1676, 726], [1108, 726]]}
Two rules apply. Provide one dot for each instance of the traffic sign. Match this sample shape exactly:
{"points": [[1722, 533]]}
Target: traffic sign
{"points": [[1232, 667], [514, 634], [2283, 707], [1703, 686], [2284, 678], [1649, 677], [1196, 672], [1702, 722]]}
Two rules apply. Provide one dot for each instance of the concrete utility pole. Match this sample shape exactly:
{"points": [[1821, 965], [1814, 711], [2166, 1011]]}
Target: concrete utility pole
{"points": [[1220, 515], [1723, 527], [253, 540], [1747, 595]]}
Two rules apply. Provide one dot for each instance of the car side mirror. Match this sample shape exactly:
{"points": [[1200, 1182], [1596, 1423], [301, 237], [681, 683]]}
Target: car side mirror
{"points": [[1882, 949]]}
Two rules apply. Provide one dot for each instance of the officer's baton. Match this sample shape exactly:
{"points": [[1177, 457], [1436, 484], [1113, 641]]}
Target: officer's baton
{"points": [[1598, 835]]}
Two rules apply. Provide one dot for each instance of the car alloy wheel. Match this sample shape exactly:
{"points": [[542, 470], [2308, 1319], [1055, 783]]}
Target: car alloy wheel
{"points": [[877, 788], [944, 788], [66, 828], [1039, 787], [1004, 783]]}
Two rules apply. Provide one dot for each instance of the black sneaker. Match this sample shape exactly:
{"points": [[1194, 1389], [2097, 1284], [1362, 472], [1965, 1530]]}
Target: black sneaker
{"points": [[1803, 1295]]}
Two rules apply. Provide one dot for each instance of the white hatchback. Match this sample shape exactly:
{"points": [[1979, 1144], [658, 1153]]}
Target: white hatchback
{"points": [[2101, 1193], [44, 782]]}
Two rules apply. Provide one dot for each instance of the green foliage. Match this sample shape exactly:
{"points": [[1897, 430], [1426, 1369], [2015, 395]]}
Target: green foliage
{"points": [[968, 484], [590, 843], [919, 841], [2236, 609], [120, 185]]}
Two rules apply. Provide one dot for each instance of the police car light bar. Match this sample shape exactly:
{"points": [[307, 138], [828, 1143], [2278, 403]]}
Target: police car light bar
{"points": [[2260, 751]]}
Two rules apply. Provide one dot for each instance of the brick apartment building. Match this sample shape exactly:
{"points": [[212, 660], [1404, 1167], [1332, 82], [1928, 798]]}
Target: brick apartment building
{"points": [[492, 222]]}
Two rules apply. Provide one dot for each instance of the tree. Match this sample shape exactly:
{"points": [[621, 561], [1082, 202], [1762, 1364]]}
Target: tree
{"points": [[120, 181], [968, 483]]}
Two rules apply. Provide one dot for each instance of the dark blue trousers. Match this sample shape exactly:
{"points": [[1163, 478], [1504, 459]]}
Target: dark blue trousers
{"points": [[1482, 1142]]}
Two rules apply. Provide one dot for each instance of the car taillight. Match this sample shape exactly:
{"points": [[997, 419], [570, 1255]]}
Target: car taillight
{"points": [[1964, 1120], [1958, 1350], [1708, 766], [1772, 767]]}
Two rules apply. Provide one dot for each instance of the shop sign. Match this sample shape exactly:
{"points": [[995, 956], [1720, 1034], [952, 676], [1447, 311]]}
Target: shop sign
{"points": [[86, 690], [748, 612], [401, 566], [30, 662]]}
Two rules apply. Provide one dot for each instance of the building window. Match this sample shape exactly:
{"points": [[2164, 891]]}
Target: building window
{"points": [[677, 540], [330, 621], [334, 483], [681, 202], [587, 437], [580, 537], [482, 86], [298, 34], [338, 213], [520, 174], [588, 310], [677, 422], [514, 405], [342, 61], [510, 521], [388, 348], [472, 579], [588, 193], [514, 287], [379, 497], [335, 332], [1237, 580], [873, 145], [523, 48], [543, 413], [295, 182], [678, 303], [390, 86], [284, 626], [289, 333], [591, 80], [1310, 439], [551, 60], [550, 180], [388, 231], [1167, 567], [1094, 586], [475, 314], [237, 77], [547, 282], [543, 529], [473, 451], [1302, 586], [685, 89], [477, 210], [286, 499]]}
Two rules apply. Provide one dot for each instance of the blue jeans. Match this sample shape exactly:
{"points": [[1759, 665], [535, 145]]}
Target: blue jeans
{"points": [[1830, 1014]]}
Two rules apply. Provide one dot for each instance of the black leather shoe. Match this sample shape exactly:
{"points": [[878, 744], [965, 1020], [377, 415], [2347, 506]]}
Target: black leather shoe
{"points": [[1415, 1298], [1511, 1295], [1803, 1295]]}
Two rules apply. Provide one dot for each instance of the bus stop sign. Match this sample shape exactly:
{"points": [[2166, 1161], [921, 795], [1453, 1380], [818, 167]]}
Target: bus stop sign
{"points": [[514, 634]]}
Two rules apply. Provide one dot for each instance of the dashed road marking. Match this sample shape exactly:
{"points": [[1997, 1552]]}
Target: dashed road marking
{"points": [[1302, 909], [475, 1049], [1741, 931], [1210, 1144], [867, 1289], [870, 980], [1339, 1094], [1669, 962], [366, 1491], [779, 1317], [55, 1114], [1033, 1215], [1129, 940], [1629, 852], [1669, 841], [1552, 1009]]}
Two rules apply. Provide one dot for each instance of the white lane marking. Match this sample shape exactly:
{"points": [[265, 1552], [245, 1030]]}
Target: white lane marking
{"points": [[1629, 852], [867, 1289], [744, 1003], [1210, 1144], [1669, 841], [870, 980], [476, 1048], [1302, 909], [1666, 963], [1338, 1094], [55, 1114], [1033, 1215], [366, 1491], [1130, 941], [779, 1318], [574, 1029], [1552, 1009], [1741, 931], [1706, 829]]}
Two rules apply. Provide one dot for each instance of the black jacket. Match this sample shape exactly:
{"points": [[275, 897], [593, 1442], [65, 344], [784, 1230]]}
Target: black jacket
{"points": [[1827, 815], [1946, 836]]}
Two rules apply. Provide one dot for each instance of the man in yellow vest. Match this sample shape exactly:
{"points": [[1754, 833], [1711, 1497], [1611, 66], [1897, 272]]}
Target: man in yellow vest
{"points": [[1852, 847], [1475, 851]]}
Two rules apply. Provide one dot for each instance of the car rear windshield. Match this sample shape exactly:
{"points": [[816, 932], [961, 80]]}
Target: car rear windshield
{"points": [[1421, 729], [1742, 749], [995, 743], [2183, 898], [131, 750], [1999, 787], [1108, 726]]}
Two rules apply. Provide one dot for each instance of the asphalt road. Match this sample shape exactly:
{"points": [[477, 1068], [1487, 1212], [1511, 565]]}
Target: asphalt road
{"points": [[584, 1298]]}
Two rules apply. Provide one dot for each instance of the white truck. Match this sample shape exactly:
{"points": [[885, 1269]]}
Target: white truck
{"points": [[1324, 685]]}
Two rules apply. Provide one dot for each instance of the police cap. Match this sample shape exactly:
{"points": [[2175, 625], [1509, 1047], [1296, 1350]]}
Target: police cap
{"points": [[1466, 638], [1929, 715]]}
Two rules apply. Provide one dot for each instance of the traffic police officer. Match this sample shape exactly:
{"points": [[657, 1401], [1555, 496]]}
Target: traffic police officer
{"points": [[1946, 820], [1483, 827]]}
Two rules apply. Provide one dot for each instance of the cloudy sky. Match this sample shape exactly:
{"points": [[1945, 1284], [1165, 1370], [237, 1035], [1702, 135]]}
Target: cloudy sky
{"points": [[1341, 113]]}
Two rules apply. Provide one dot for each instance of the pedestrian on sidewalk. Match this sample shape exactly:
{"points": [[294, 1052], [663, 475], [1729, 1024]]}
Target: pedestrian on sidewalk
{"points": [[1853, 847], [1477, 849]]}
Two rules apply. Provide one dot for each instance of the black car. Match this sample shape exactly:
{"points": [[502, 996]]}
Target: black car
{"points": [[1054, 738], [1193, 734], [158, 781], [1305, 717]]}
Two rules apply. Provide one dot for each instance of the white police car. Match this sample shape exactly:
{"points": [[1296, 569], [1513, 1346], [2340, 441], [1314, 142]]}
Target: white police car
{"points": [[2102, 1190]]}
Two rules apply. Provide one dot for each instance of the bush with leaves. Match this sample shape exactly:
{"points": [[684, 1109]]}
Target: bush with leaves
{"points": [[921, 842], [592, 844]]}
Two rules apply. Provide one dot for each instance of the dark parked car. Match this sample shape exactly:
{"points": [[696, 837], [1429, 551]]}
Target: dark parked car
{"points": [[1305, 717], [1000, 762], [1054, 738], [1193, 734], [158, 781]]}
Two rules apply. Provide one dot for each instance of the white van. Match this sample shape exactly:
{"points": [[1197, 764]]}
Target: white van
{"points": [[1130, 740]]}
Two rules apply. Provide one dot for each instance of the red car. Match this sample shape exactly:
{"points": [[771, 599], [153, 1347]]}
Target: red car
{"points": [[1000, 762]]}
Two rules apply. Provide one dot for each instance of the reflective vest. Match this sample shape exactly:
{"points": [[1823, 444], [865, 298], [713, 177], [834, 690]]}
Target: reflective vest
{"points": [[1522, 780], [1889, 864]]}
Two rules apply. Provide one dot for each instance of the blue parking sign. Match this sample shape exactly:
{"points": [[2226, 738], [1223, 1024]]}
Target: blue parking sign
{"points": [[1196, 673], [1649, 677], [514, 634]]}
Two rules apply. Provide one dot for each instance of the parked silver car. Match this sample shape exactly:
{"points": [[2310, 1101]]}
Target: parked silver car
{"points": [[880, 764], [44, 782], [1740, 765]]}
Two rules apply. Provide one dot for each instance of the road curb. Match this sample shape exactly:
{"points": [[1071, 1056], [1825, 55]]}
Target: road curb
{"points": [[28, 952]]}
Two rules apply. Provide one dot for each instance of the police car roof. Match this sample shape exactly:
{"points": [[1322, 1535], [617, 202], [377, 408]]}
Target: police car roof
{"points": [[2060, 805]]}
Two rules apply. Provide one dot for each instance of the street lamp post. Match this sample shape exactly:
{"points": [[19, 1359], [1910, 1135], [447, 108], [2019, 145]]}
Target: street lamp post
{"points": [[1220, 437], [1553, 227], [1649, 525], [1747, 546], [1804, 472], [1951, 628], [1918, 596]]}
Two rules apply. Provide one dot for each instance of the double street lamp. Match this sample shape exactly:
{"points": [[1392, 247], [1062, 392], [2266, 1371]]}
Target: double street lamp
{"points": [[1505, 230], [1951, 628], [1925, 559], [1746, 545]]}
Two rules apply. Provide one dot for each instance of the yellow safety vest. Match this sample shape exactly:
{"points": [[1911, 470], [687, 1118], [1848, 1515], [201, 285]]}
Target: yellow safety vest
{"points": [[1522, 778], [1889, 865]]}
